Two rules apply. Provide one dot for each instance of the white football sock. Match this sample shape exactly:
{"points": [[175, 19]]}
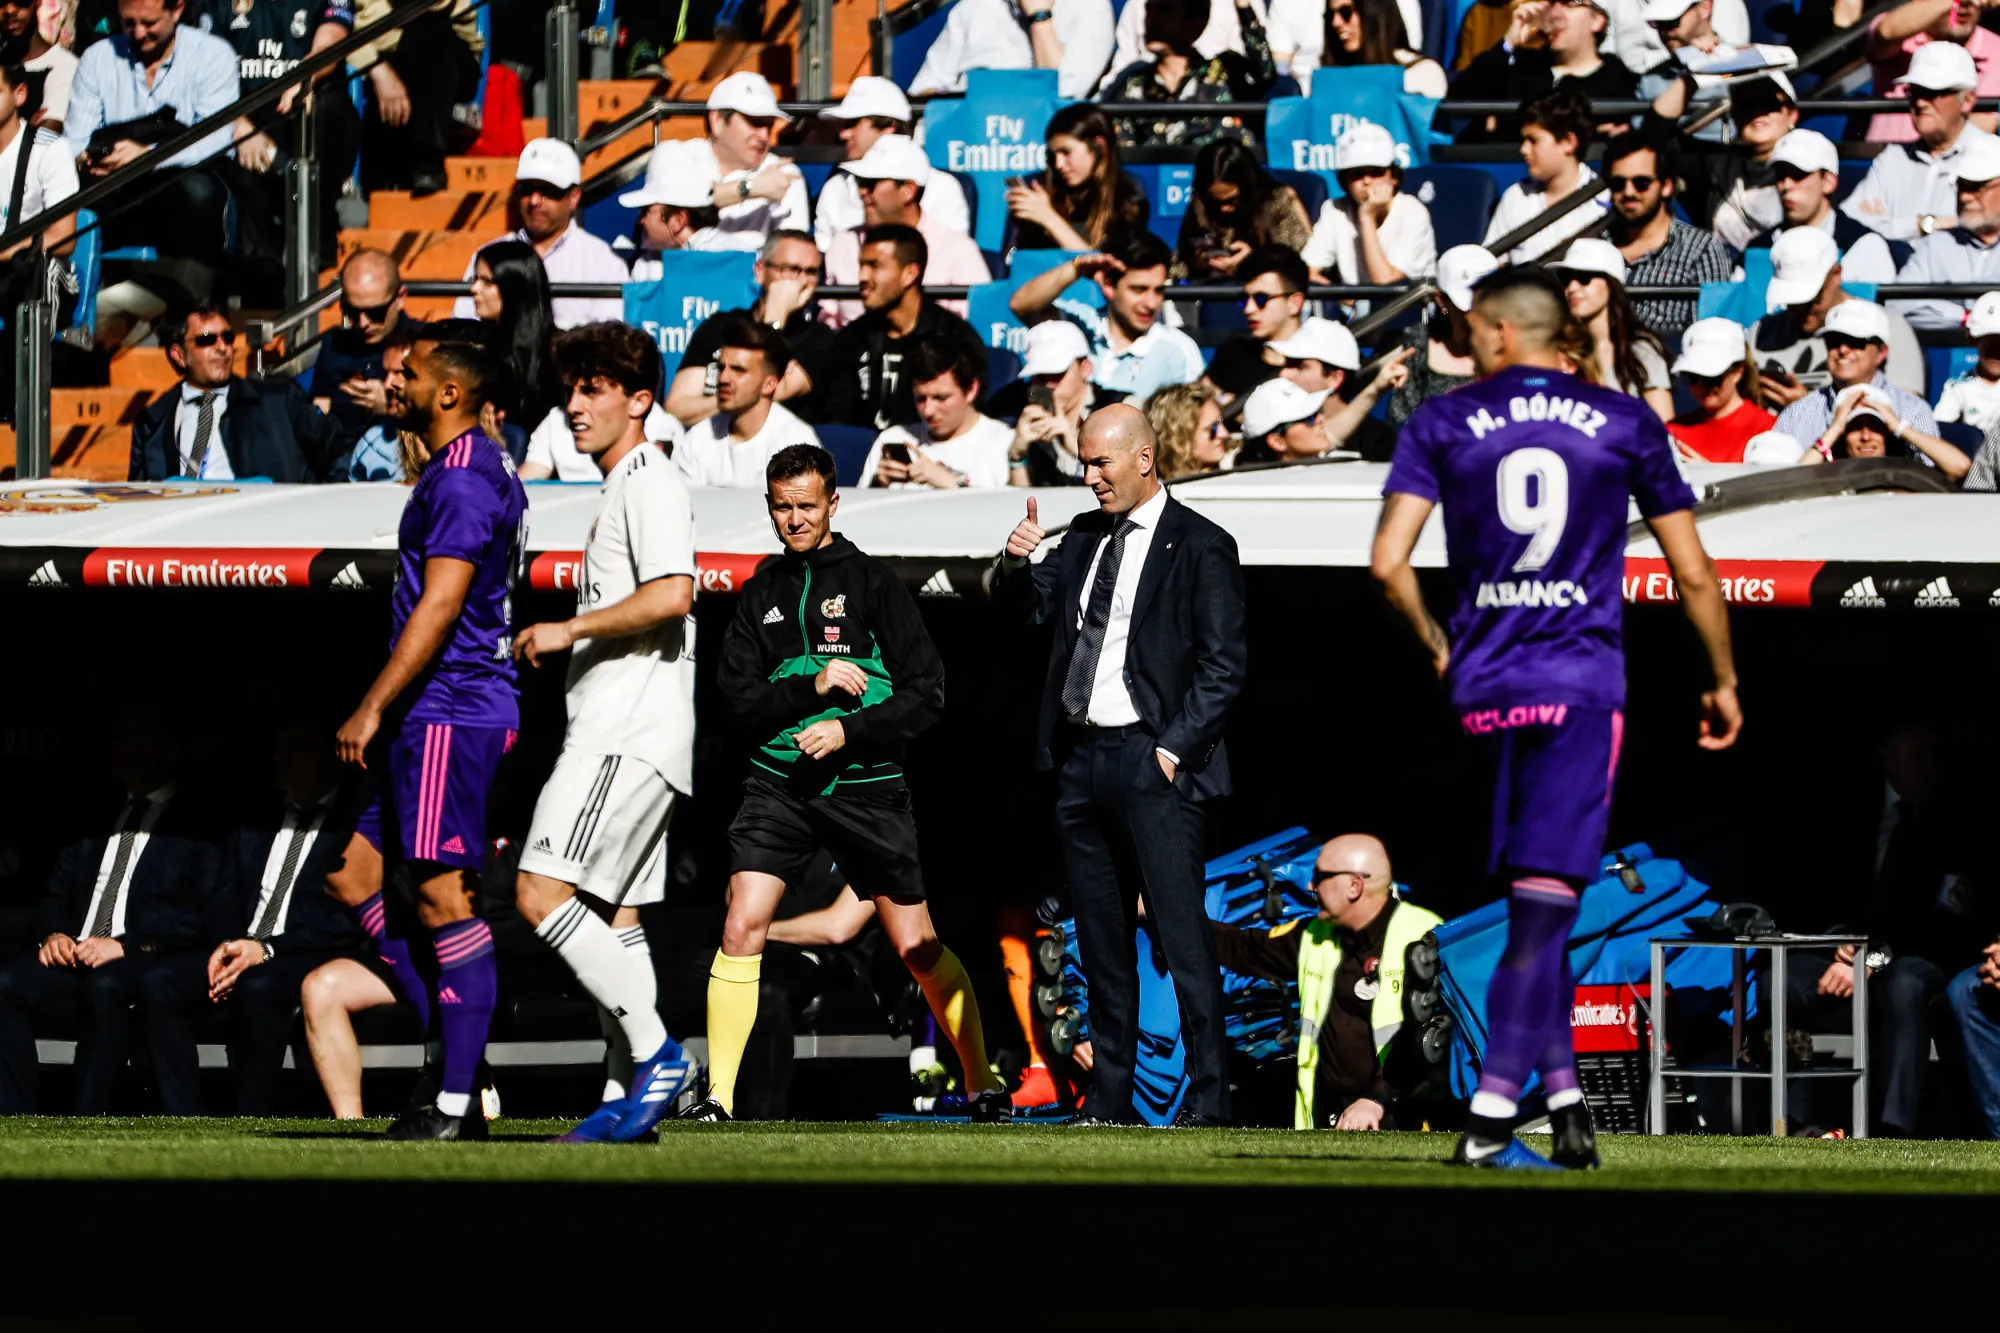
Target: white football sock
{"points": [[454, 1103], [1493, 1106], [611, 972], [1568, 1097], [618, 1060]]}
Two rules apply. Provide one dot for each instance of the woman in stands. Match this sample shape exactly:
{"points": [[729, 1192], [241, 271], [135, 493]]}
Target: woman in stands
{"points": [[1866, 425], [1441, 345], [1187, 421], [510, 291], [1175, 72], [1372, 32], [1721, 377], [1236, 207], [1623, 353], [1084, 196]]}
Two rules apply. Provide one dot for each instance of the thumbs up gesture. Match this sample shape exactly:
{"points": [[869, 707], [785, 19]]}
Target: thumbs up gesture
{"points": [[1027, 534]]}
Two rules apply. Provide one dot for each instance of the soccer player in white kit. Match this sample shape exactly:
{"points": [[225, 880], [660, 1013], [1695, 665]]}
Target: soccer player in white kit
{"points": [[600, 825]]}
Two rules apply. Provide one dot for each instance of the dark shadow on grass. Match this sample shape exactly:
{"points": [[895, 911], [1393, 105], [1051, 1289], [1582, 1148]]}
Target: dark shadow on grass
{"points": [[1333, 1157]]}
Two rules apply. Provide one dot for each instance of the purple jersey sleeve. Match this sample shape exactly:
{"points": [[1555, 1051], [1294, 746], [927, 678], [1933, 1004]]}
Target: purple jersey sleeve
{"points": [[1657, 485], [462, 511], [1413, 467]]}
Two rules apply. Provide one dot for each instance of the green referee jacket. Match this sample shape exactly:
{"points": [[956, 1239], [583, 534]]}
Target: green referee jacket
{"points": [[797, 614]]}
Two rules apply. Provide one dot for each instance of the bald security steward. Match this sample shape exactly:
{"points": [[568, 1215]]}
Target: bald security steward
{"points": [[1146, 598], [1357, 1054]]}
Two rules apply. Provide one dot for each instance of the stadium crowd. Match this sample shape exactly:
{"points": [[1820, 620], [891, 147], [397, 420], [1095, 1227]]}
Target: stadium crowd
{"points": [[897, 377]]}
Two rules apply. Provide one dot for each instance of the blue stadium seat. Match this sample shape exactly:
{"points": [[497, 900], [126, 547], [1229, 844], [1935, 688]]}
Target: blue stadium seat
{"points": [[1310, 186], [1470, 193], [1003, 367], [849, 446]]}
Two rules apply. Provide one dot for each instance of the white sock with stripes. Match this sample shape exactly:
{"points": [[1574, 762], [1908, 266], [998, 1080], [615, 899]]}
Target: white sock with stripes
{"points": [[618, 1060], [617, 977]]}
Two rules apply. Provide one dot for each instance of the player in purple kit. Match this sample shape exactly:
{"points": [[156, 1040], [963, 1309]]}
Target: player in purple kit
{"points": [[1534, 468], [445, 710]]}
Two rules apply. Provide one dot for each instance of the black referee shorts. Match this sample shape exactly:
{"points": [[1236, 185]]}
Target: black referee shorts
{"points": [[869, 830]]}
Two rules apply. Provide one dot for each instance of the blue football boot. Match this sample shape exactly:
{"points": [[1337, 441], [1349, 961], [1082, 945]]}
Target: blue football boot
{"points": [[657, 1084], [597, 1127]]}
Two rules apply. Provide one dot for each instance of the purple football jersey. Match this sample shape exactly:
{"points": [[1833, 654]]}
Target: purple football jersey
{"points": [[1533, 469], [467, 505]]}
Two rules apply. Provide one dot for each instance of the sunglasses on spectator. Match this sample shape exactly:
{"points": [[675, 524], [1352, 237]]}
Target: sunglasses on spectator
{"points": [[1344, 13], [1702, 383], [1322, 876], [1638, 184], [1838, 340], [1915, 94], [1258, 300], [227, 338], [374, 314]]}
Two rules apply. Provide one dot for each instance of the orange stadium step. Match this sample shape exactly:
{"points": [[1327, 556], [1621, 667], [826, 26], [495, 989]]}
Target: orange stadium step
{"points": [[395, 210], [472, 175], [90, 433]]}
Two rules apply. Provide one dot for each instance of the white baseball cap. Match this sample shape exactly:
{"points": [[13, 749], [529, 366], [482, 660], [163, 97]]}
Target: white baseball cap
{"points": [[1808, 150], [1772, 448], [1054, 345], [675, 176], [1980, 162], [1984, 321], [1710, 347], [1275, 404], [1366, 144], [748, 94], [868, 96], [1590, 254], [1460, 269], [1666, 11], [1855, 318], [1324, 340], [893, 157], [1941, 66], [1801, 258], [550, 161]]}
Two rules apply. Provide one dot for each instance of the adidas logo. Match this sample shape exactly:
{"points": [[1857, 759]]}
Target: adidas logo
{"points": [[1938, 593], [773, 616], [937, 586], [446, 995], [46, 577], [454, 846], [543, 845], [349, 577], [1863, 594]]}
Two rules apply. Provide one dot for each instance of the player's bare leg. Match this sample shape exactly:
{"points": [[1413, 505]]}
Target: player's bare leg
{"points": [[331, 995], [949, 992]]}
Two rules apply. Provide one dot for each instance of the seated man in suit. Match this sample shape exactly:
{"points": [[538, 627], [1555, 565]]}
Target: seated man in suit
{"points": [[274, 889], [124, 922], [216, 426]]}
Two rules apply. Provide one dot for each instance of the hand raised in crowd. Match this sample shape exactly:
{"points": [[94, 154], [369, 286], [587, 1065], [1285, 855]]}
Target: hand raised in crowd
{"points": [[1780, 391], [371, 396], [784, 298], [1027, 534], [1038, 423], [840, 676], [770, 183], [1530, 27], [1097, 264], [1377, 194], [1029, 202], [1394, 372]]}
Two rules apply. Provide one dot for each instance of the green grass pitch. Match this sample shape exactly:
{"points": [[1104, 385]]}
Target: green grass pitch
{"points": [[906, 1154]]}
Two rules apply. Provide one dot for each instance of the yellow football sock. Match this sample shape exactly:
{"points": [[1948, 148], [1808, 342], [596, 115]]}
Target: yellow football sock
{"points": [[732, 1012], [949, 991]]}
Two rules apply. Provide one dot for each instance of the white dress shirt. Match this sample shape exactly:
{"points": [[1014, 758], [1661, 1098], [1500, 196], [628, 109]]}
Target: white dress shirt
{"points": [[1110, 701], [302, 824], [187, 421], [993, 34], [155, 801], [577, 256], [746, 225]]}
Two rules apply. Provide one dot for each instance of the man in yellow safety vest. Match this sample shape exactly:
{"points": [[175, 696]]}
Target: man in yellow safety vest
{"points": [[1348, 962]]}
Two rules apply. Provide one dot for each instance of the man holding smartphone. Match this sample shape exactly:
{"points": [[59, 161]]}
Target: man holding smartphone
{"points": [[952, 444], [1057, 370]]}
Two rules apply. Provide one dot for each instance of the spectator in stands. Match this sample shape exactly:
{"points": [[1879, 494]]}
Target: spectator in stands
{"points": [[124, 926], [1658, 248], [1441, 343], [1133, 352], [139, 88], [1808, 177], [1374, 234], [49, 180], [1187, 421], [51, 66], [217, 426], [757, 191], [1072, 37], [1624, 354], [1855, 334], [1377, 32], [1866, 424], [1084, 196], [1896, 38], [731, 447], [1912, 190], [1321, 358], [1172, 71], [869, 386], [787, 272], [1805, 288], [1056, 367], [418, 79], [1686, 30], [1974, 397], [548, 195], [952, 444], [1281, 424], [874, 107], [1715, 366], [1551, 50], [676, 208], [1274, 301], [1234, 208], [274, 890], [892, 178], [1732, 193], [510, 295], [1555, 133], [1223, 31], [1968, 252], [347, 379]]}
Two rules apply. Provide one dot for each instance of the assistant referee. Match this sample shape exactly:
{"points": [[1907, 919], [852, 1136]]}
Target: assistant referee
{"points": [[829, 672]]}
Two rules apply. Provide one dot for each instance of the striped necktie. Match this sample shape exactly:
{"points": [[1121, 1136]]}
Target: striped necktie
{"points": [[107, 905], [267, 923], [204, 431]]}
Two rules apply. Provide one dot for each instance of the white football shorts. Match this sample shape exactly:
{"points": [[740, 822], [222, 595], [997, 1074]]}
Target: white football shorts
{"points": [[601, 825]]}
